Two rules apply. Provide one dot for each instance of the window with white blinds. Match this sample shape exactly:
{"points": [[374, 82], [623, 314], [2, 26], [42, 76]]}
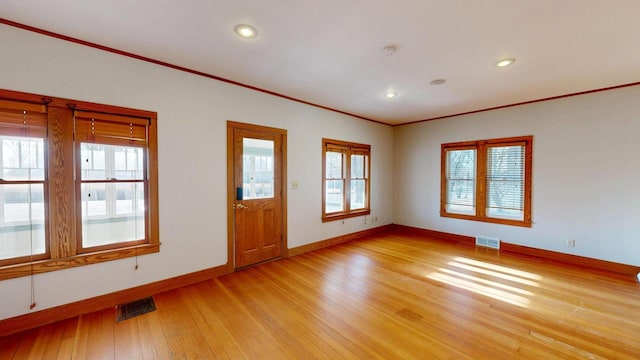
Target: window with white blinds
{"points": [[505, 181], [488, 180]]}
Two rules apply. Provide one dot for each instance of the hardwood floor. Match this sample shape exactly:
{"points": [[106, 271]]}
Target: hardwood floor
{"points": [[389, 296]]}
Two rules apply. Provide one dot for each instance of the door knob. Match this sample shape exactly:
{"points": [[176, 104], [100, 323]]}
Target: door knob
{"points": [[240, 206]]}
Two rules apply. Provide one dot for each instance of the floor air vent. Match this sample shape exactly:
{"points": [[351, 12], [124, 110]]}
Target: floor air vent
{"points": [[136, 308], [488, 242]]}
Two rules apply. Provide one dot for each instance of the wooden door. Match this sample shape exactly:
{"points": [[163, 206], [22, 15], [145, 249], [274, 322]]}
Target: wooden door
{"points": [[256, 193]]}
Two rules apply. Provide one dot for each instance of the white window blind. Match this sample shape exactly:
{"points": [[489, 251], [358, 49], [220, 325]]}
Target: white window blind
{"points": [[505, 181]]}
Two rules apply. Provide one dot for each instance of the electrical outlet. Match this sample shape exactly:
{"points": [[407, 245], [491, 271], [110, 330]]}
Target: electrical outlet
{"points": [[571, 243]]}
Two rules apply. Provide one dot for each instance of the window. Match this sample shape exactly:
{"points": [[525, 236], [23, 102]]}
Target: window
{"points": [[112, 185], [22, 182], [78, 183], [488, 180], [345, 176]]}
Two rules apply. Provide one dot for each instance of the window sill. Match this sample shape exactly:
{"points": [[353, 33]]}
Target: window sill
{"points": [[342, 216], [43, 266], [488, 219]]}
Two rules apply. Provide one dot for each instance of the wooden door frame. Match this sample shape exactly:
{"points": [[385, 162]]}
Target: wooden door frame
{"points": [[231, 191]]}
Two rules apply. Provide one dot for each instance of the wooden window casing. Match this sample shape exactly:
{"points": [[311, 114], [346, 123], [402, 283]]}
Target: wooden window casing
{"points": [[348, 177], [19, 123], [481, 178], [62, 181], [101, 129]]}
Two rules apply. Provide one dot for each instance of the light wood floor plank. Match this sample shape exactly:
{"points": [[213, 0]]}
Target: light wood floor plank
{"points": [[48, 342], [350, 295], [183, 336], [218, 337], [23, 345], [95, 337], [390, 296], [154, 345], [9, 345]]}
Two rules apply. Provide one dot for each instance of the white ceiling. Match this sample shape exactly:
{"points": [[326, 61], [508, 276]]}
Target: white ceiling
{"points": [[328, 52]]}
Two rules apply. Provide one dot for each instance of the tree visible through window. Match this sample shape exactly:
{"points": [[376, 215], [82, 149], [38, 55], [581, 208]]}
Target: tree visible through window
{"points": [[461, 175], [488, 180], [505, 181]]}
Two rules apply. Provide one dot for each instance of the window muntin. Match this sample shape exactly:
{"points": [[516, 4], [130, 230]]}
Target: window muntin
{"points": [[345, 179], [23, 235], [488, 180]]}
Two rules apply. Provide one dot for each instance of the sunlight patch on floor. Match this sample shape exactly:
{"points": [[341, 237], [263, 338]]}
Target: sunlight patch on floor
{"points": [[503, 269], [494, 273], [489, 280], [481, 289]]}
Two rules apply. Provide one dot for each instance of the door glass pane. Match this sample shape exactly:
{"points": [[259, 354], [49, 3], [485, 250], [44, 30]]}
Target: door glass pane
{"points": [[461, 183], [334, 199], [257, 169], [22, 229], [112, 213]]}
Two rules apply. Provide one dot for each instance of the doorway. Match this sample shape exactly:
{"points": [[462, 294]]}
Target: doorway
{"points": [[256, 194]]}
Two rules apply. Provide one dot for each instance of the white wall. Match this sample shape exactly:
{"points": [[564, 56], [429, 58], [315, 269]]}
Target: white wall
{"points": [[586, 173], [192, 114]]}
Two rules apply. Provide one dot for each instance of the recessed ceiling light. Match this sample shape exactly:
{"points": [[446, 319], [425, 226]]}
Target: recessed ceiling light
{"points": [[438, 81], [390, 94], [246, 31], [505, 62]]}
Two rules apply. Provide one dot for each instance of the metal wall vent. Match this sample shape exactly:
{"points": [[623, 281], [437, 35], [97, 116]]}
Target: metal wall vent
{"points": [[488, 242]]}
